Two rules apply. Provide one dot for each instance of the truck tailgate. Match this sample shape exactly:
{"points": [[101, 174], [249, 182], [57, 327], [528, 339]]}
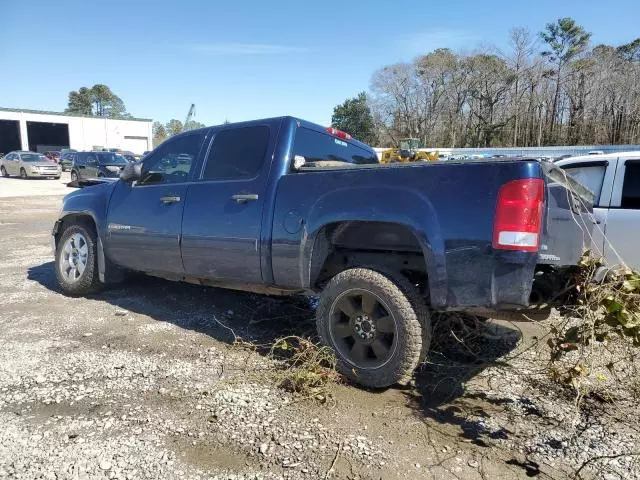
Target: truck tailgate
{"points": [[568, 221]]}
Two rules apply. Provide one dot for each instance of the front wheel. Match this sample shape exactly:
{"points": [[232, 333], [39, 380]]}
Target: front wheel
{"points": [[23, 174], [76, 260], [74, 176], [377, 324], [3, 171]]}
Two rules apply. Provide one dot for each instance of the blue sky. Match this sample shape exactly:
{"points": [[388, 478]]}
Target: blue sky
{"points": [[242, 59]]}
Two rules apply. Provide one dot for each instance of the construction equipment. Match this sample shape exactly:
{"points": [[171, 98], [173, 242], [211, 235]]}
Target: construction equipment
{"points": [[408, 150], [190, 114]]}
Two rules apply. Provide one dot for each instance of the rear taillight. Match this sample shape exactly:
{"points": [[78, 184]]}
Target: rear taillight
{"points": [[338, 133], [518, 217]]}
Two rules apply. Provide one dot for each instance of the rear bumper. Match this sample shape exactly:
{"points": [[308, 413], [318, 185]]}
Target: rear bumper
{"points": [[487, 278]]}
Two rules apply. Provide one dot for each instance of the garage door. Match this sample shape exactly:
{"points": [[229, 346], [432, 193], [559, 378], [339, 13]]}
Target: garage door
{"points": [[135, 144]]}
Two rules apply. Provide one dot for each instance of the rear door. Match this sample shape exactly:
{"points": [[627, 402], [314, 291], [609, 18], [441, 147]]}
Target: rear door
{"points": [[222, 221], [90, 167], [80, 164], [623, 218]]}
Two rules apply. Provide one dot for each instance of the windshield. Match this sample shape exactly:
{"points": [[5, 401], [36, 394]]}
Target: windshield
{"points": [[108, 158], [33, 157]]}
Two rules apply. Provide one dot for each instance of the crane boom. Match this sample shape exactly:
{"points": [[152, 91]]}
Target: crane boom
{"points": [[190, 114]]}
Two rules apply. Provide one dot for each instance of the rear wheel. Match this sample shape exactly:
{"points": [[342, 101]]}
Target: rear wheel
{"points": [[377, 324], [74, 176], [76, 260], [23, 173], [3, 171]]}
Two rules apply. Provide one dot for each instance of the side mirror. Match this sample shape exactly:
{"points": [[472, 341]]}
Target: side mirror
{"points": [[131, 172]]}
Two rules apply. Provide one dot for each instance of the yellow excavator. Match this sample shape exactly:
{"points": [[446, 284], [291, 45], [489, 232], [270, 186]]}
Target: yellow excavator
{"points": [[407, 151]]}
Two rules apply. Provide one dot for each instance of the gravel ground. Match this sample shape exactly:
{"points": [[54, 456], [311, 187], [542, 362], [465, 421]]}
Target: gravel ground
{"points": [[141, 381]]}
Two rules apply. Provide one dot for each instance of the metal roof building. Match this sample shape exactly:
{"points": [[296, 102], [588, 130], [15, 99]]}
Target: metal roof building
{"points": [[40, 131]]}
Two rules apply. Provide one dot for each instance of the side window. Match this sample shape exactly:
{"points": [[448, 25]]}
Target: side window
{"points": [[591, 177], [237, 153], [173, 161], [631, 186]]}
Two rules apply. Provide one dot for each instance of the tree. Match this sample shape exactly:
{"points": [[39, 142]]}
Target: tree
{"points": [[566, 41], [98, 100], [80, 102], [159, 133], [174, 127], [193, 125], [354, 117]]}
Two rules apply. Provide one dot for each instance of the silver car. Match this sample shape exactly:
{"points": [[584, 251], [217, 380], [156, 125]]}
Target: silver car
{"points": [[29, 165]]}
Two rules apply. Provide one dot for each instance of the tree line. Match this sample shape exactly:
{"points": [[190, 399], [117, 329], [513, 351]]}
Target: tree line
{"points": [[550, 88]]}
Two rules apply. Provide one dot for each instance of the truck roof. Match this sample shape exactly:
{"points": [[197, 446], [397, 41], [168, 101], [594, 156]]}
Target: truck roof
{"points": [[299, 121]]}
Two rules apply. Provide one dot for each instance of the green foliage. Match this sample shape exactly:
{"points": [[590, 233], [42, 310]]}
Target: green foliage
{"points": [[159, 133], [565, 39], [174, 127], [630, 51], [193, 125], [98, 100], [604, 308], [354, 117]]}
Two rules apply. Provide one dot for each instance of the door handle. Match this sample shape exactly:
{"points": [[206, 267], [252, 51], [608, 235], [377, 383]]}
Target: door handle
{"points": [[244, 197], [170, 199]]}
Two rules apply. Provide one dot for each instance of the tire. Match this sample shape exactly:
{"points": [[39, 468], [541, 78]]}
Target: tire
{"points": [[87, 281], [23, 174], [3, 171], [57, 178], [397, 306], [74, 176]]}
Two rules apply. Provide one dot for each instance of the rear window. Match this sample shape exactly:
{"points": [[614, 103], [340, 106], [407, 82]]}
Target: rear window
{"points": [[317, 147]]}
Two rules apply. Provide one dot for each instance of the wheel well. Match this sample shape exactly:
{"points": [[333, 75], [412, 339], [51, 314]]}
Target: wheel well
{"points": [[76, 219], [344, 245]]}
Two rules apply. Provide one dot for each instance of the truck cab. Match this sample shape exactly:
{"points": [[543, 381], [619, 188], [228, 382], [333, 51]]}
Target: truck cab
{"points": [[614, 178]]}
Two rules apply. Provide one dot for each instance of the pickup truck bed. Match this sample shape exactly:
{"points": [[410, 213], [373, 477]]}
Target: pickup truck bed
{"points": [[285, 206]]}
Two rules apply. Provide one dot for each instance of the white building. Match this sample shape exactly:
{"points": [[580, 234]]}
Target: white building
{"points": [[43, 131]]}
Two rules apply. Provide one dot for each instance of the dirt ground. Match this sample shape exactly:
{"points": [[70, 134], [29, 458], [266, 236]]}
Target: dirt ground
{"points": [[141, 381]]}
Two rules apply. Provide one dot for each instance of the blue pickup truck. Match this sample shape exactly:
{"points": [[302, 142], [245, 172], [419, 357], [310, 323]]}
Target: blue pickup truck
{"points": [[284, 206]]}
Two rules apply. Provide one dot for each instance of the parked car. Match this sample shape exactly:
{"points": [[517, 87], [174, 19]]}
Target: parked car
{"points": [[28, 165], [614, 178], [54, 156], [283, 206], [66, 160], [96, 165]]}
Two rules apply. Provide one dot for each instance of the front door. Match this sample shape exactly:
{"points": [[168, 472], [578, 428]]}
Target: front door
{"points": [[144, 219], [222, 220], [623, 218]]}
